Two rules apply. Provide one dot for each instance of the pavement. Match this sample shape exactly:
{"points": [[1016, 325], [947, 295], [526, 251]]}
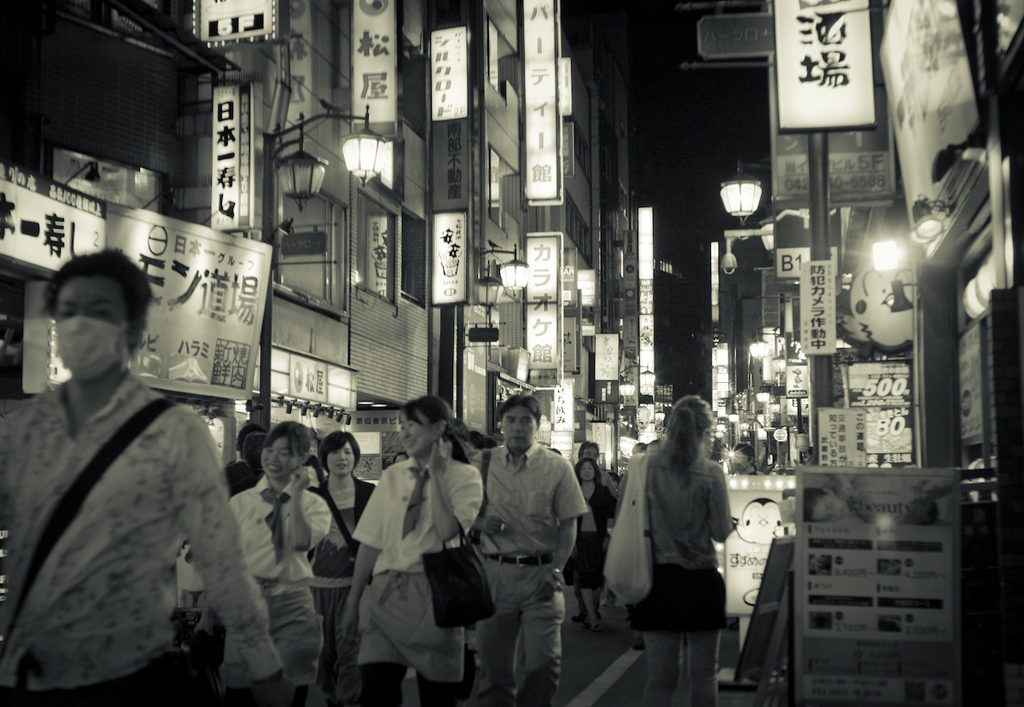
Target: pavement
{"points": [[604, 670]]}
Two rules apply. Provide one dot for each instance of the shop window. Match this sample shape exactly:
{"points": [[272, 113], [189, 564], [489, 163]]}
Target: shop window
{"points": [[414, 258], [376, 266], [502, 188], [110, 181], [311, 259]]}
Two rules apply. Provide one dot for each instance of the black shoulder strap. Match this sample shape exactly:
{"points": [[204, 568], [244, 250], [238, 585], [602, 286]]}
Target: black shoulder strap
{"points": [[73, 499], [325, 494], [485, 464]]}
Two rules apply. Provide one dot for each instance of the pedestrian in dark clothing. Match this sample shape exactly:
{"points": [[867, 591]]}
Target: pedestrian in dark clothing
{"points": [[239, 470]]}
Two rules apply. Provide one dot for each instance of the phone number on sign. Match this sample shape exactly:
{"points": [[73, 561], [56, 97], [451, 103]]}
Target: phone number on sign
{"points": [[839, 182]]}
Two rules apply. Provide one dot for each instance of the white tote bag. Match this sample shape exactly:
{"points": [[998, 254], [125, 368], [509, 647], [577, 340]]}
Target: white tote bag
{"points": [[628, 565]]}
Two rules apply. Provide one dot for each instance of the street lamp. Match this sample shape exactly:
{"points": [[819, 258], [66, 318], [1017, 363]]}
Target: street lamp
{"points": [[301, 175], [515, 274], [741, 195], [628, 388]]}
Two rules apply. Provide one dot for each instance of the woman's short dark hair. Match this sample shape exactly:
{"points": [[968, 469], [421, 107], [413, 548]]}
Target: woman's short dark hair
{"points": [[597, 470], [522, 400], [252, 447], [335, 441], [247, 429], [430, 409], [115, 266], [296, 434]]}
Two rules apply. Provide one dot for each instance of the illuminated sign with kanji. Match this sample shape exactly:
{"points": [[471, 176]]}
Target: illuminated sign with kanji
{"points": [[818, 307], [824, 65], [449, 74], [375, 49], [544, 308], [450, 258], [606, 357], [203, 329], [231, 193], [220, 23], [45, 223], [562, 410], [542, 176]]}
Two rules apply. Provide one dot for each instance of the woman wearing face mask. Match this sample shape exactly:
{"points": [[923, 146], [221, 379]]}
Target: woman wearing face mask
{"points": [[333, 563], [116, 558], [418, 504]]}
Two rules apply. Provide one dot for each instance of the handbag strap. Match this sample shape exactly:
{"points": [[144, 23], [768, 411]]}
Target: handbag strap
{"points": [[73, 499], [325, 493], [485, 464]]}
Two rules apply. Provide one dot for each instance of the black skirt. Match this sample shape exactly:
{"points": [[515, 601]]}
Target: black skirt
{"points": [[682, 600]]}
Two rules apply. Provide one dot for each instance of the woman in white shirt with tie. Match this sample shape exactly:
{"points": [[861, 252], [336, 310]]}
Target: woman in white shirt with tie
{"points": [[419, 503]]}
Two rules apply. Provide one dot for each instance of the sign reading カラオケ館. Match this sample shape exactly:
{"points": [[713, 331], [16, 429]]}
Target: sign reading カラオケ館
{"points": [[876, 620], [209, 289]]}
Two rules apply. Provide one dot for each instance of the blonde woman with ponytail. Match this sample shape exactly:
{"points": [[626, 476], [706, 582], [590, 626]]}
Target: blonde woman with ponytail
{"points": [[682, 618]]}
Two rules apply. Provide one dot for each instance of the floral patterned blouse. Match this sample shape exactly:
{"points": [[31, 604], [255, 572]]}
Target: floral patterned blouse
{"points": [[101, 604]]}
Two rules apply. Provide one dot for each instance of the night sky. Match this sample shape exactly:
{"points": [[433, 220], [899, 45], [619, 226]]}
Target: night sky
{"points": [[689, 130]]}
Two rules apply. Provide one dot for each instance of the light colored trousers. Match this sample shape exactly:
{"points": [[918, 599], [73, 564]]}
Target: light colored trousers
{"points": [[682, 668], [526, 629]]}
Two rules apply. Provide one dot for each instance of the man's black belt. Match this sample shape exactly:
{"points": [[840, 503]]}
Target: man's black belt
{"points": [[528, 560]]}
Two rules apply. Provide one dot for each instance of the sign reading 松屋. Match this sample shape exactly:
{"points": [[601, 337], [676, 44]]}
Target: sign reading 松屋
{"points": [[823, 63], [375, 59]]}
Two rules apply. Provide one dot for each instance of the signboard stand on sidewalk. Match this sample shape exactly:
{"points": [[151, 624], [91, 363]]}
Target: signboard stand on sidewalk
{"points": [[765, 646]]}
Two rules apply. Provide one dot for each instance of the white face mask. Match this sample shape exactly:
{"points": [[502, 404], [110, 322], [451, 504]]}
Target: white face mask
{"points": [[90, 347]]}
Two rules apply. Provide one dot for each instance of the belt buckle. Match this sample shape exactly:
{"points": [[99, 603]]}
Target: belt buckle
{"points": [[522, 561]]}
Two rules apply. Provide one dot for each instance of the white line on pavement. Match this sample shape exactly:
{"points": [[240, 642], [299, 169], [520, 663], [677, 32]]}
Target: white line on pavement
{"points": [[593, 692]]}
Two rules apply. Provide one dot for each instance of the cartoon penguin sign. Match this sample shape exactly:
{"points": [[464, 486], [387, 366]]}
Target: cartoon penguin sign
{"points": [[760, 521], [877, 312]]}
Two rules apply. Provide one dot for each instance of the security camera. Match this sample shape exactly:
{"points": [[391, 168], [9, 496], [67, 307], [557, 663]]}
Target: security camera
{"points": [[729, 263]]}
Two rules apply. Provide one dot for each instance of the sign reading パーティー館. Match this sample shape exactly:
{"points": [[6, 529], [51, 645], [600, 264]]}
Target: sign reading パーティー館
{"points": [[44, 223], [544, 308], [375, 59], [823, 63], [203, 328], [877, 567], [542, 176]]}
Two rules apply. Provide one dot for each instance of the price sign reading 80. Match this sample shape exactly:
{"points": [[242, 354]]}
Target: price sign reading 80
{"points": [[891, 426]]}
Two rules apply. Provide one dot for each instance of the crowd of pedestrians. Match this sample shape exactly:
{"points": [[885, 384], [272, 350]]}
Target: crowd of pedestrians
{"points": [[317, 578]]}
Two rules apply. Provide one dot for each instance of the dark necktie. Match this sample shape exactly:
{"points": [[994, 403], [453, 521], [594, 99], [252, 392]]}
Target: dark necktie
{"points": [[274, 520], [412, 511]]}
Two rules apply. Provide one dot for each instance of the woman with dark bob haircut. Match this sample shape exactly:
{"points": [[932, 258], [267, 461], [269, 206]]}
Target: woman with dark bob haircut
{"points": [[116, 557], [280, 523], [333, 564], [587, 560], [419, 504]]}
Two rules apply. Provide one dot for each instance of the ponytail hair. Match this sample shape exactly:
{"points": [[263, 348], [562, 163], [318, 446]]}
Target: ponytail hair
{"points": [[684, 441]]}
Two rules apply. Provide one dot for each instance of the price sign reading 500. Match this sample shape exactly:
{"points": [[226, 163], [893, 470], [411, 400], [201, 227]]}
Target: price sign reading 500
{"points": [[885, 387]]}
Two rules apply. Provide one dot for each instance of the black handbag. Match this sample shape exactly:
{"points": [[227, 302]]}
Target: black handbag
{"points": [[458, 585]]}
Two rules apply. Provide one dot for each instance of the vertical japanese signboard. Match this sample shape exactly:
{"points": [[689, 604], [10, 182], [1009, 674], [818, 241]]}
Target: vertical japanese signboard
{"points": [[220, 23], [544, 308], [231, 203], [450, 270], [876, 617], [562, 409], [884, 392], [303, 100], [818, 307], [450, 161], [588, 298], [606, 357], [449, 77], [542, 177], [203, 329], [474, 389], [972, 404], [841, 436], [44, 223], [375, 59], [824, 65], [380, 253]]}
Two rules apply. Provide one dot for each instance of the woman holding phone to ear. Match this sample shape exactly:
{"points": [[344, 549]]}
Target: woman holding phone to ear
{"points": [[279, 523]]}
